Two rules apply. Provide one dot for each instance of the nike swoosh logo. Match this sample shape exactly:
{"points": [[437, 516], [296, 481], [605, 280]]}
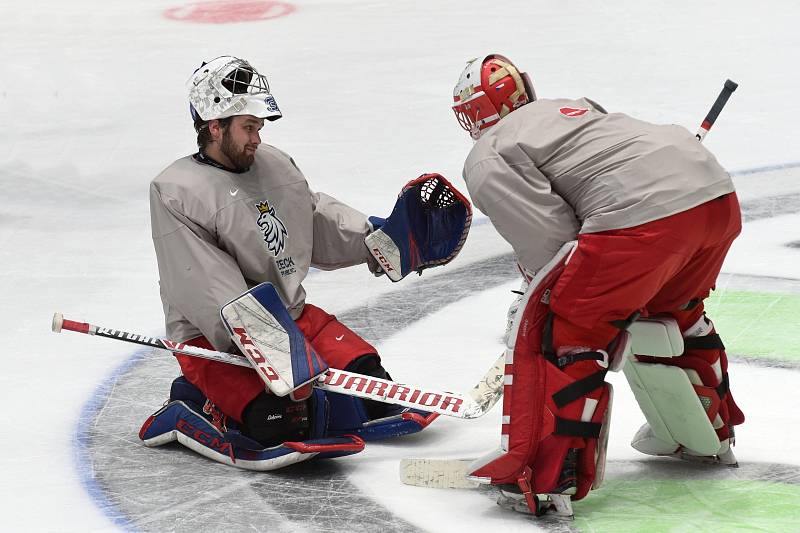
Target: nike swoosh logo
{"points": [[340, 337], [234, 191]]}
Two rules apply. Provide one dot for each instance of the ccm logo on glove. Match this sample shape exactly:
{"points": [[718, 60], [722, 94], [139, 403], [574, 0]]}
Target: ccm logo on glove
{"points": [[376, 252]]}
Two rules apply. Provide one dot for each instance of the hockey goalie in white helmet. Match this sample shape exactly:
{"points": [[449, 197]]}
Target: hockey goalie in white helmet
{"points": [[488, 90], [228, 86]]}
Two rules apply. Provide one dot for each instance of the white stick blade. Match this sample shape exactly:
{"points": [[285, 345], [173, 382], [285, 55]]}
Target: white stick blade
{"points": [[490, 388], [436, 473]]}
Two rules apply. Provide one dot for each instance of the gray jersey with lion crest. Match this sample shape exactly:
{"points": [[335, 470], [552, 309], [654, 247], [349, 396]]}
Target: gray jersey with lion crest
{"points": [[218, 233], [555, 168]]}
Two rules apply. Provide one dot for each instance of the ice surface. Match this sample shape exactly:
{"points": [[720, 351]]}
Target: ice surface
{"points": [[92, 106]]}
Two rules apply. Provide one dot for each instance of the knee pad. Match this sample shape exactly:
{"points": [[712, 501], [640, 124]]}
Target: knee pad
{"points": [[271, 419], [685, 399], [555, 409], [673, 409]]}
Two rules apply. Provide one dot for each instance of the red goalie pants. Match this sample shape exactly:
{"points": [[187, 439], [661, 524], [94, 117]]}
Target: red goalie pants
{"points": [[232, 387], [654, 268], [657, 267]]}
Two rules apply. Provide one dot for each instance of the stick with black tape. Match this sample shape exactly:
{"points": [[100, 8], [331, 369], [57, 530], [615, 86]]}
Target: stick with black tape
{"points": [[719, 103]]}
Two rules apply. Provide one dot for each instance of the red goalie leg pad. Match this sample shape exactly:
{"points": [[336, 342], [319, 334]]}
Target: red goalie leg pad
{"points": [[525, 419], [569, 431], [544, 405]]}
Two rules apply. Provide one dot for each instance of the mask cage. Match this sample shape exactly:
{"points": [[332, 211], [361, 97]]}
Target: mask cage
{"points": [[474, 113], [244, 79]]}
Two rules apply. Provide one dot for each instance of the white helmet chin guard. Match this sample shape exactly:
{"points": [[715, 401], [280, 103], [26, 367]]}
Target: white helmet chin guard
{"points": [[228, 86]]}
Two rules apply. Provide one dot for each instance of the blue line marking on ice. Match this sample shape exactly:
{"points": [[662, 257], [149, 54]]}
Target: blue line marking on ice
{"points": [[83, 460], [767, 168], [92, 406]]}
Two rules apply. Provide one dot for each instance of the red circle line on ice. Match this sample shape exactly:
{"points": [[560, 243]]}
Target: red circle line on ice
{"points": [[228, 11]]}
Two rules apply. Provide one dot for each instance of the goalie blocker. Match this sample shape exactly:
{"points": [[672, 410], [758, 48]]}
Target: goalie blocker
{"points": [[427, 227]]}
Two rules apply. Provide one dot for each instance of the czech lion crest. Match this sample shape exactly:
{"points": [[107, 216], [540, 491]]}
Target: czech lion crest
{"points": [[272, 227]]}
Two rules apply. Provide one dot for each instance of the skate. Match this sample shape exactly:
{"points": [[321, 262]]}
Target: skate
{"points": [[557, 504]]}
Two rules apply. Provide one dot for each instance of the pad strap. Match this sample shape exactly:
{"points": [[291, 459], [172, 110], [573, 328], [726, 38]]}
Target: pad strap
{"points": [[625, 324], [710, 342], [575, 428], [579, 389], [549, 352], [724, 386], [706, 342], [565, 360], [691, 304]]}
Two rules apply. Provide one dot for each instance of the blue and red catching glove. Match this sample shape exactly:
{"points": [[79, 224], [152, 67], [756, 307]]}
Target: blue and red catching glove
{"points": [[427, 227]]}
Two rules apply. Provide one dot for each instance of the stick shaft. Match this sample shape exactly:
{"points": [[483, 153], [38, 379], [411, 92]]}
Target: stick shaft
{"points": [[60, 323], [341, 381], [426, 399], [713, 113]]}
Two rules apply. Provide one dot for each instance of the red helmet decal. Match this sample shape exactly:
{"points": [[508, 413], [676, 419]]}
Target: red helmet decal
{"points": [[573, 111]]}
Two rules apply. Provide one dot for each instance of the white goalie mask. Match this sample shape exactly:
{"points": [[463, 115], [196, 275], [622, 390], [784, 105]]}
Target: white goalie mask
{"points": [[228, 86]]}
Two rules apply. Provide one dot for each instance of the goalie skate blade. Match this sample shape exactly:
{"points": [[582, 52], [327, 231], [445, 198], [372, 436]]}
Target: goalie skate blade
{"points": [[557, 506], [437, 473], [561, 506], [728, 460]]}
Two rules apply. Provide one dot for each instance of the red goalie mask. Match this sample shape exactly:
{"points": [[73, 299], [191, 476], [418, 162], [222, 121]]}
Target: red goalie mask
{"points": [[488, 90]]}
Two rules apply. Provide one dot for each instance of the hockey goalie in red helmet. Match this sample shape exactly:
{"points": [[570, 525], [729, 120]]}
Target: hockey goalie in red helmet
{"points": [[488, 90]]}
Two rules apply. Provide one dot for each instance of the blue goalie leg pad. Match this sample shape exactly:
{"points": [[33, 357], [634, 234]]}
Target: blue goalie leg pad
{"points": [[209, 433], [182, 389], [182, 421], [348, 416]]}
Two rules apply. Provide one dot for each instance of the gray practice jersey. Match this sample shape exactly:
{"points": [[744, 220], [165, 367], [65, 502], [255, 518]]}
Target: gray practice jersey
{"points": [[556, 168], [219, 233]]}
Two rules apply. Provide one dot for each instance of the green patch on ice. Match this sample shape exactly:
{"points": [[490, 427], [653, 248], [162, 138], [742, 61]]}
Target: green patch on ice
{"points": [[696, 505], [757, 324]]}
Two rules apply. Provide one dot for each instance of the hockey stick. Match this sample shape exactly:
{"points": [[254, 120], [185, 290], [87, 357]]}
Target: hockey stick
{"points": [[475, 403], [713, 113], [454, 473]]}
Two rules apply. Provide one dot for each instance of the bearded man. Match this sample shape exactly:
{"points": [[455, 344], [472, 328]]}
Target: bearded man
{"points": [[233, 215]]}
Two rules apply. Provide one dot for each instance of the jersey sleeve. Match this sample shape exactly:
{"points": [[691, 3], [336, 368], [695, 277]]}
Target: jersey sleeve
{"points": [[522, 206], [196, 277], [339, 232]]}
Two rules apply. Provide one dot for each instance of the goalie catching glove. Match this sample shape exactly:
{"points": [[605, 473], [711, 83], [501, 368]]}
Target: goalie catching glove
{"points": [[427, 227]]}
